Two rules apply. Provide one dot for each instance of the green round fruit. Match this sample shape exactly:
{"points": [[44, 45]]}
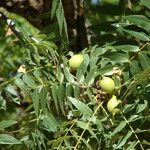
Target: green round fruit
{"points": [[115, 111], [112, 103], [75, 61], [107, 84]]}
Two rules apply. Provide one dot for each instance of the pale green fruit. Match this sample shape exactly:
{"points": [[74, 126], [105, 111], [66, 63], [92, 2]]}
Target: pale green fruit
{"points": [[112, 103], [107, 84], [115, 111], [75, 61]]}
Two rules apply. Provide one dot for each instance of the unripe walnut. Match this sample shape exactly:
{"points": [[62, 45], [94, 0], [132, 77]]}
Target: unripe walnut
{"points": [[107, 84], [75, 61], [112, 104]]}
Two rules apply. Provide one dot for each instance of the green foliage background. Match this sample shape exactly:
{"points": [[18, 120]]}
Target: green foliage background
{"points": [[50, 107]]}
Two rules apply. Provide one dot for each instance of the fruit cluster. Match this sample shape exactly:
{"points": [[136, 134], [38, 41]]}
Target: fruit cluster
{"points": [[106, 84]]}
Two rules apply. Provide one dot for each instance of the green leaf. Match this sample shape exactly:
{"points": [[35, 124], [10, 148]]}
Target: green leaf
{"points": [[7, 139], [80, 76], [60, 16], [6, 123], [75, 135], [132, 145], [81, 107], [107, 70], [36, 100], [49, 123], [141, 77], [104, 62], [119, 128], [2, 103], [69, 93], [11, 90], [29, 81], [43, 99], [60, 75], [98, 51], [134, 67], [124, 140], [61, 97], [144, 59], [68, 75], [128, 107], [21, 84], [54, 89], [38, 75], [141, 107], [139, 20], [140, 35], [82, 69], [134, 118], [93, 61], [54, 7], [118, 57], [127, 48], [91, 76], [146, 3], [84, 125], [77, 91]]}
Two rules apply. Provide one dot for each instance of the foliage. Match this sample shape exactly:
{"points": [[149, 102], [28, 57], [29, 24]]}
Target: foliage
{"points": [[12, 54], [67, 109]]}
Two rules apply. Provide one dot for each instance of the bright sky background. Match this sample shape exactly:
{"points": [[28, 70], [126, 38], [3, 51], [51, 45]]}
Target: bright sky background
{"points": [[94, 1]]}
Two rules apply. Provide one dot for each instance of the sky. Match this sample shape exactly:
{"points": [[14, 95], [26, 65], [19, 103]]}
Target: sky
{"points": [[95, 1]]}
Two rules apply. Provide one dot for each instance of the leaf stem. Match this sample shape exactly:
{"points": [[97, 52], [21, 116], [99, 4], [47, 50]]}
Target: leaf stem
{"points": [[75, 148], [142, 148]]}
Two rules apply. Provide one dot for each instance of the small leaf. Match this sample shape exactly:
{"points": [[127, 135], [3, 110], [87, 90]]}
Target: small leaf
{"points": [[11, 90], [124, 139], [80, 76], [93, 61], [7, 139], [144, 59], [77, 91], [128, 107], [68, 75], [91, 76], [6, 123], [43, 99], [60, 16], [69, 93], [83, 108], [54, 7], [139, 20], [61, 97], [60, 75], [54, 89], [29, 81], [82, 69], [132, 145], [141, 107], [127, 48], [107, 70], [84, 125], [140, 35], [2, 103], [134, 118], [146, 3], [118, 57], [49, 123], [36, 100], [120, 127], [134, 67], [98, 51], [19, 82]]}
